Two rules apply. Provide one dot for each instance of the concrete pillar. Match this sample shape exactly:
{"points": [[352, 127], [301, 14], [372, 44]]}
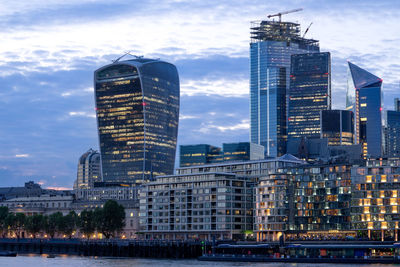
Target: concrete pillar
{"points": [[369, 234]]}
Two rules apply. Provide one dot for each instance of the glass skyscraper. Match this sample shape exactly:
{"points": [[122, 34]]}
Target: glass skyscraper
{"points": [[364, 98], [338, 127], [392, 133], [272, 44], [309, 94], [137, 106], [201, 154]]}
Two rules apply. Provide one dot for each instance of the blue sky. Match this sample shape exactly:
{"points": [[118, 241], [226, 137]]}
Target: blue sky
{"points": [[49, 50]]}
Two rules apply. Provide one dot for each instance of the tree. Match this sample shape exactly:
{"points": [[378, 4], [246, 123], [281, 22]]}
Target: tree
{"points": [[34, 224], [3, 215], [110, 219], [87, 224], [16, 223], [68, 223], [52, 223]]}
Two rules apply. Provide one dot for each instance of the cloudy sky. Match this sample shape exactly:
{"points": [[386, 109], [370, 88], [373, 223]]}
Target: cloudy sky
{"points": [[49, 50]]}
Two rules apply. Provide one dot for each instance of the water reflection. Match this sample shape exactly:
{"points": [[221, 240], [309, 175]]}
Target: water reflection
{"points": [[32, 260]]}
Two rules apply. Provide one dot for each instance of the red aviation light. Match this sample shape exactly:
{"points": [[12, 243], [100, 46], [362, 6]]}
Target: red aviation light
{"points": [[96, 109], [326, 73], [144, 104], [380, 109]]}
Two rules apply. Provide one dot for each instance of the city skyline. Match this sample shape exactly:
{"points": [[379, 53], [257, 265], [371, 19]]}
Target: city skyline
{"points": [[49, 54]]}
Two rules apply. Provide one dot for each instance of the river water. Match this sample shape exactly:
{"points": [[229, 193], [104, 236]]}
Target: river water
{"points": [[64, 261]]}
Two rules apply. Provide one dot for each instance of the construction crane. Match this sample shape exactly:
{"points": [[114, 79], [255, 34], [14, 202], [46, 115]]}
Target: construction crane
{"points": [[284, 13], [305, 32]]}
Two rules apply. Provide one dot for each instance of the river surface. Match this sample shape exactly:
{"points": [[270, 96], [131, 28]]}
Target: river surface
{"points": [[63, 261]]}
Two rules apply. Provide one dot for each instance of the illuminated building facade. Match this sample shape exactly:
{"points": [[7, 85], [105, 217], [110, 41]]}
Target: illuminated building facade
{"points": [[272, 44], [322, 196], [272, 206], [137, 106], [196, 206], [303, 201], [89, 170], [364, 98], [338, 127], [375, 201], [242, 151], [309, 94], [191, 155], [392, 133]]}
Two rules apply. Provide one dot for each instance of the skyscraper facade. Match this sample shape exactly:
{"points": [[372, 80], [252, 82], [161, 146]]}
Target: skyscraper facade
{"points": [[392, 133], [201, 154], [272, 44], [309, 94], [89, 170], [338, 127], [137, 106], [364, 98], [396, 104]]}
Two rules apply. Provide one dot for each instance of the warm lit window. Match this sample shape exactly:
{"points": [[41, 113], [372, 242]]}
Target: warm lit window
{"points": [[394, 209], [366, 209]]}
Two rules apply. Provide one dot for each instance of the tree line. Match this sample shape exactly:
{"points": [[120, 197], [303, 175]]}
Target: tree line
{"points": [[109, 220]]}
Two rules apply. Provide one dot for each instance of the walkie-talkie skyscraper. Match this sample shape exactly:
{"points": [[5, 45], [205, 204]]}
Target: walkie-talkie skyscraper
{"points": [[137, 106]]}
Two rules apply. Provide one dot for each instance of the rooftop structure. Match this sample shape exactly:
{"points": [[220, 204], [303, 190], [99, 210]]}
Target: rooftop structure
{"points": [[267, 30]]}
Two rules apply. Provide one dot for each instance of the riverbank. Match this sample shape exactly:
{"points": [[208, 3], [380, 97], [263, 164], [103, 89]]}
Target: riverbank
{"points": [[110, 248]]}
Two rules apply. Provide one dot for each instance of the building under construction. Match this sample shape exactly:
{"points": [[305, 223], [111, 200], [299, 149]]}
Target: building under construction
{"points": [[271, 47], [279, 31]]}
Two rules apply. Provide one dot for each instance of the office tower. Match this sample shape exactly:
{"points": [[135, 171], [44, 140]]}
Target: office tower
{"points": [[272, 44], [242, 151], [396, 104], [201, 154], [364, 98], [309, 93], [338, 127], [89, 170], [137, 106], [392, 133]]}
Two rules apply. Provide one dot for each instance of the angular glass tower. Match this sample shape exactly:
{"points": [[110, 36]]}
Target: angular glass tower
{"points": [[364, 98], [309, 94], [272, 44], [137, 106]]}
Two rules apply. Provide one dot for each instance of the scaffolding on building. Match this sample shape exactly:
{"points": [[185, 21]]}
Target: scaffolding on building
{"points": [[266, 30]]}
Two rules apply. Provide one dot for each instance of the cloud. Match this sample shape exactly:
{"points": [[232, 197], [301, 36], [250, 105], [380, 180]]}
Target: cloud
{"points": [[22, 155], [51, 48], [82, 114]]}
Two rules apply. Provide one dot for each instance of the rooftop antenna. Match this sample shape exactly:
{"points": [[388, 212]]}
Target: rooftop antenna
{"points": [[125, 54], [284, 13]]}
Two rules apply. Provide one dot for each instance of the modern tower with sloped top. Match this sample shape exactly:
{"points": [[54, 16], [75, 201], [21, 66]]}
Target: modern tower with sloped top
{"points": [[137, 108], [364, 98]]}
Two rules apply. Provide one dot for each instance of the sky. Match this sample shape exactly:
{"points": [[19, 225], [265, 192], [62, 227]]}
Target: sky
{"points": [[49, 50]]}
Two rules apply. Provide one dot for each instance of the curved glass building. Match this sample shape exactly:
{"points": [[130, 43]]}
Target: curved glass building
{"points": [[137, 107], [88, 170]]}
